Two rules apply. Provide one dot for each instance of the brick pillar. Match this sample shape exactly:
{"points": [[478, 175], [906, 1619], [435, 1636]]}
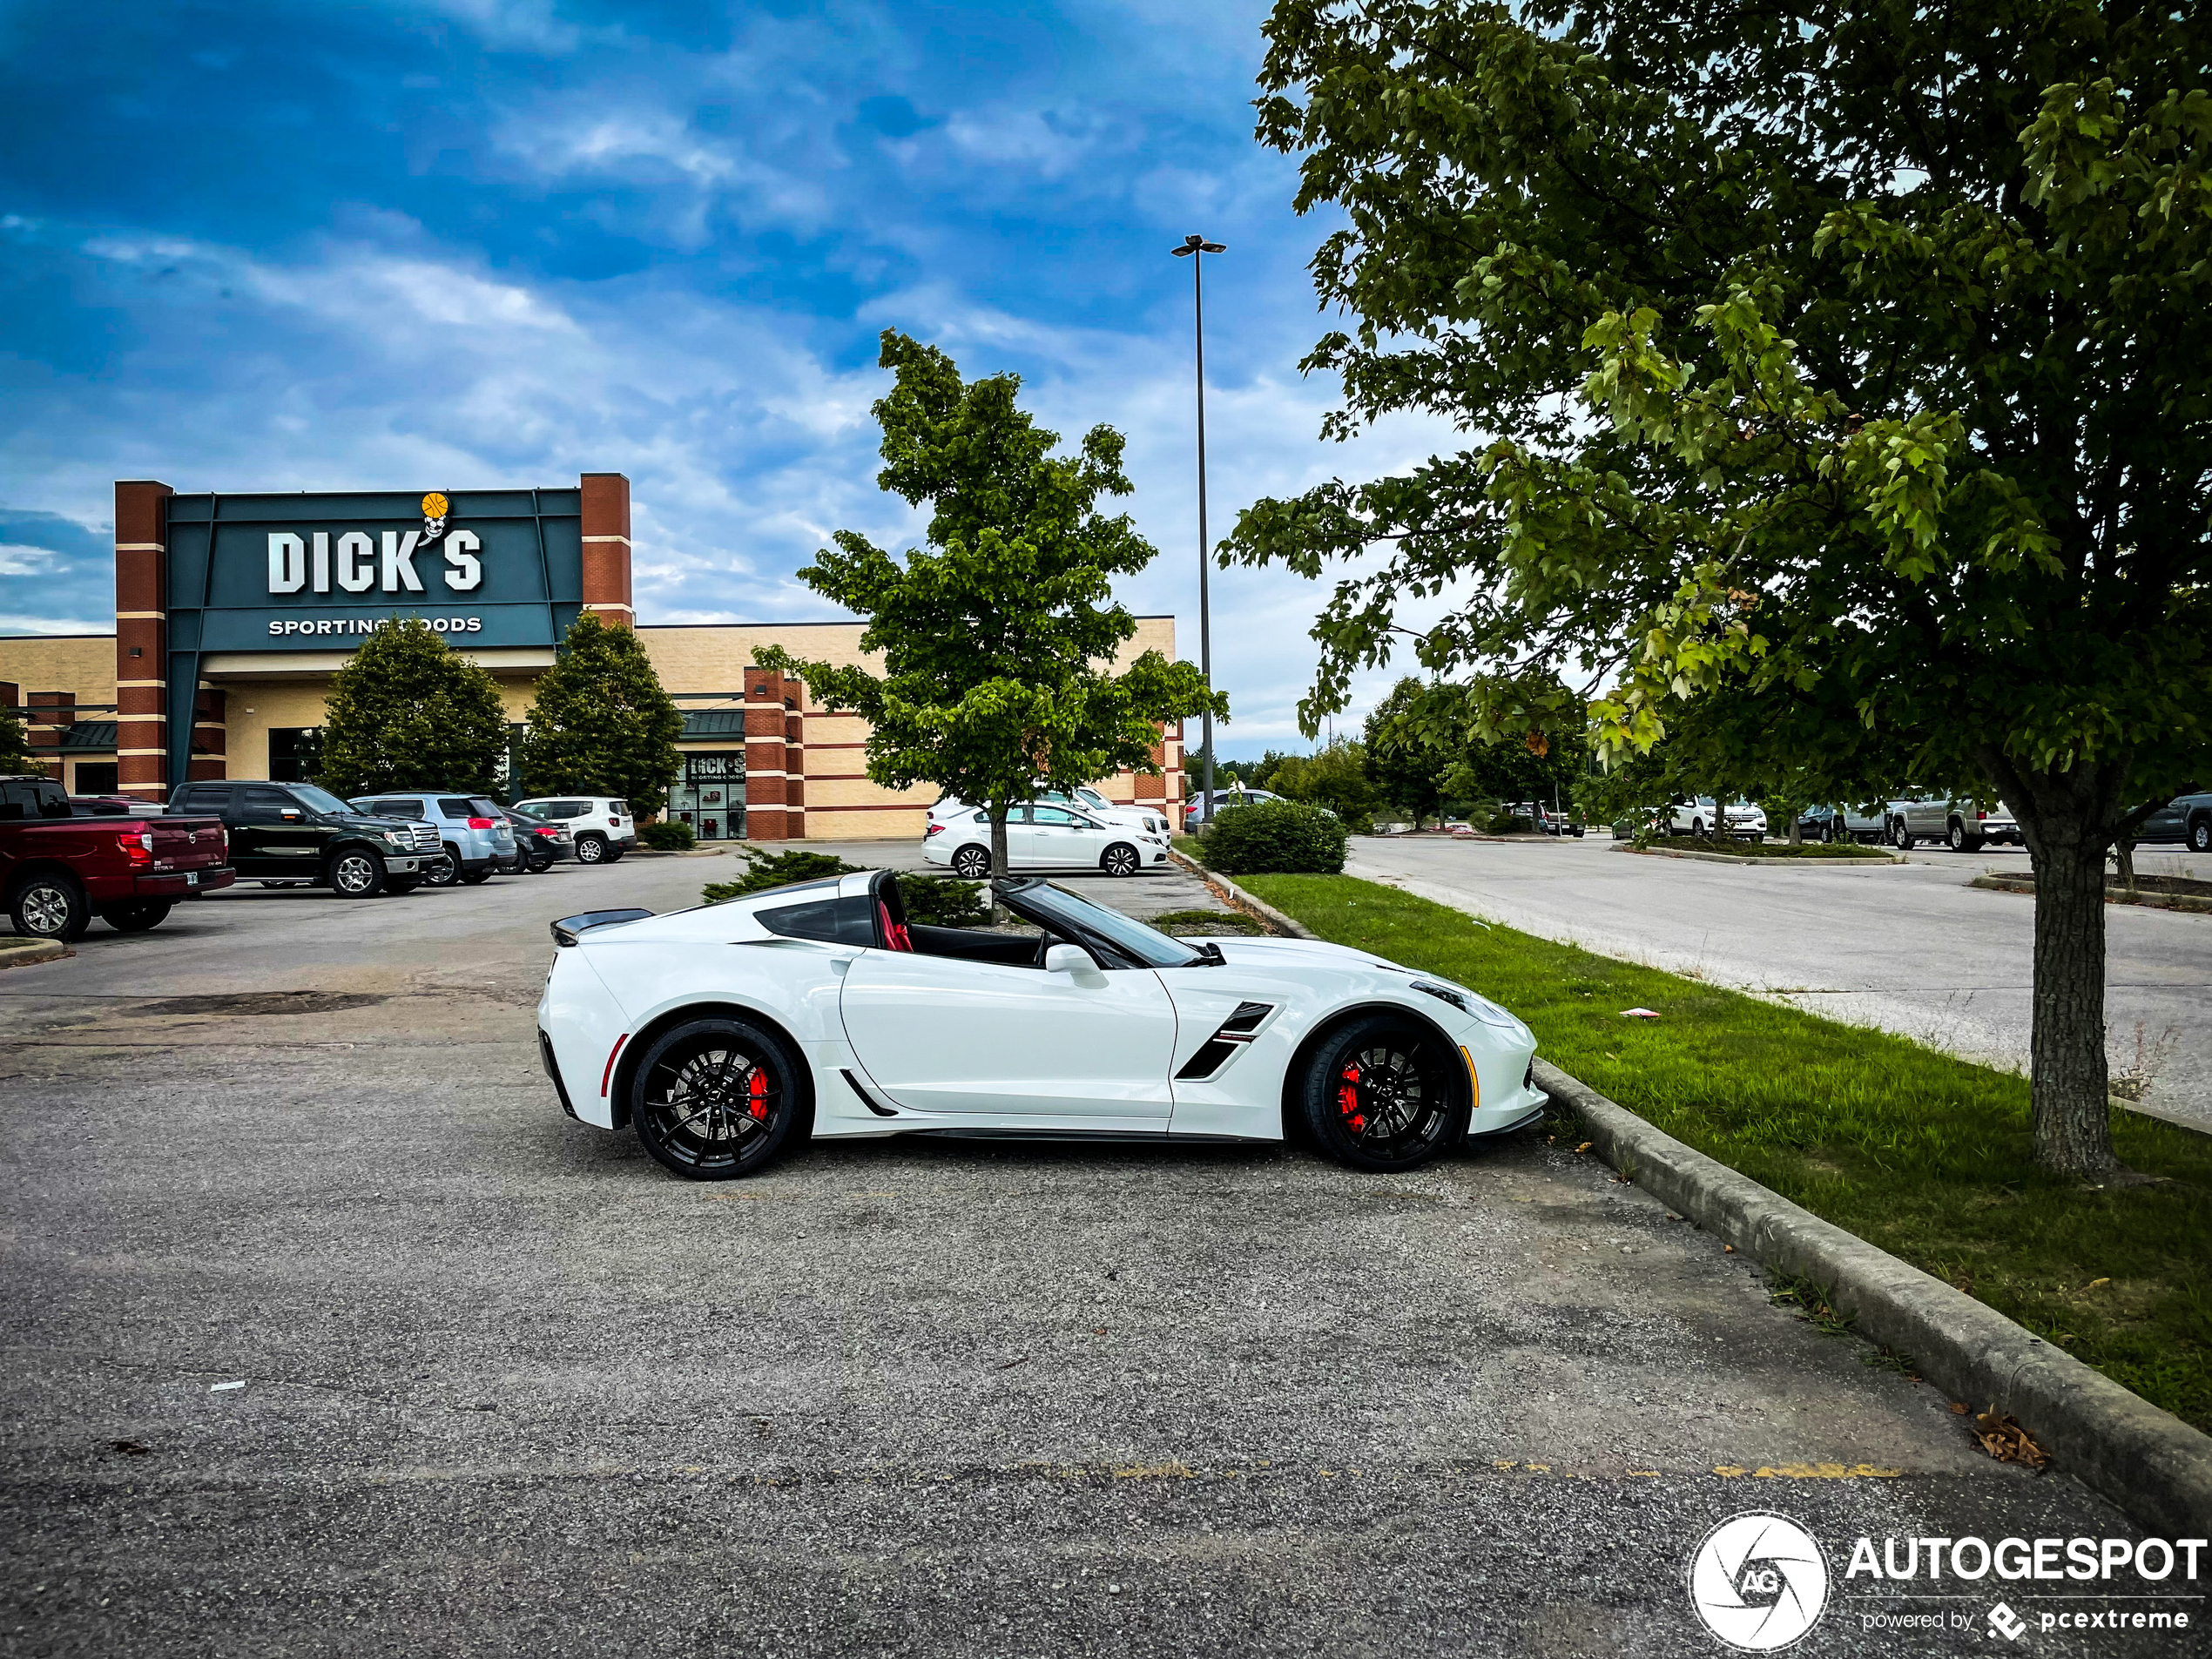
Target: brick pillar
{"points": [[142, 636], [47, 722], [606, 548], [766, 752], [210, 736], [794, 760]]}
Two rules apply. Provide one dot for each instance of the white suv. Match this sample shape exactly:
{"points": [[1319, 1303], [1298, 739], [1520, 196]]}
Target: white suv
{"points": [[603, 827]]}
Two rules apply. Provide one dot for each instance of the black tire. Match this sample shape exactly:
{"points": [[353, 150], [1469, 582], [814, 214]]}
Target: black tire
{"points": [[592, 849], [475, 878], [972, 864], [2200, 835], [1120, 859], [715, 1099], [1696, 829], [615, 850], [443, 871], [1959, 840], [1383, 1093], [49, 906], [137, 915], [355, 873], [397, 885], [1901, 837]]}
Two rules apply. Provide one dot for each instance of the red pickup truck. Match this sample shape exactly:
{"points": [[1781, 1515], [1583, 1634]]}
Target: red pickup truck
{"points": [[59, 869]]}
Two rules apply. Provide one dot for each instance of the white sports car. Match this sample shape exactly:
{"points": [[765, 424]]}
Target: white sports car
{"points": [[728, 1034]]}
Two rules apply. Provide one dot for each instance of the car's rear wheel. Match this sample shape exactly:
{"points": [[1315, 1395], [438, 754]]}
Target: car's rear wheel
{"points": [[2200, 835], [1383, 1093], [1696, 829], [715, 1099], [972, 863], [50, 906], [591, 849], [443, 870], [137, 915], [1961, 840], [1120, 859], [356, 873]]}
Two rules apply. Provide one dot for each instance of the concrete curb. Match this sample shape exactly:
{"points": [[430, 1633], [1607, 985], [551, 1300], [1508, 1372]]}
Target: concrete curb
{"points": [[2187, 903], [1862, 861], [676, 852], [22, 953], [1236, 899], [2147, 1461]]}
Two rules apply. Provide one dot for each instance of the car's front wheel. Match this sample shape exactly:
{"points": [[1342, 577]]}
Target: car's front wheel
{"points": [[2200, 835], [591, 849], [50, 906], [137, 915], [1382, 1093], [714, 1099], [1901, 837], [356, 873], [972, 863], [1120, 859]]}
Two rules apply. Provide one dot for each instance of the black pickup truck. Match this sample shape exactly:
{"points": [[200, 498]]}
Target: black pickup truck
{"points": [[300, 833]]}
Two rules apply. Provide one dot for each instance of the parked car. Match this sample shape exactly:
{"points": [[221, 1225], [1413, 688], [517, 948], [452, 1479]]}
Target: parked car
{"points": [[1146, 820], [1700, 815], [603, 826], [59, 869], [1039, 836], [1195, 813], [298, 832], [1959, 821], [728, 1036], [477, 839], [2187, 819], [1546, 819], [540, 842]]}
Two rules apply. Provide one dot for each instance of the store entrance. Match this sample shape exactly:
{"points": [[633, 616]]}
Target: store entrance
{"points": [[710, 796]]}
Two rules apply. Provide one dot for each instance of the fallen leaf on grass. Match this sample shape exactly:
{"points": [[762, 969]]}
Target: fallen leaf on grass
{"points": [[1959, 1408], [2094, 1283], [1586, 1146], [2007, 1442]]}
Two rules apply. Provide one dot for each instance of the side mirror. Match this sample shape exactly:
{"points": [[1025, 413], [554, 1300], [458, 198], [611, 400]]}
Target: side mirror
{"points": [[289, 816], [1074, 961]]}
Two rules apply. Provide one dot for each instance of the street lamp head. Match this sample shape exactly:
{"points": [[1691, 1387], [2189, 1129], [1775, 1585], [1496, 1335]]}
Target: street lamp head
{"points": [[1197, 245]]}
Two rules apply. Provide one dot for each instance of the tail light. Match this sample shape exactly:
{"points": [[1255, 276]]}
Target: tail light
{"points": [[934, 829], [483, 823], [546, 830], [1984, 813], [137, 845]]}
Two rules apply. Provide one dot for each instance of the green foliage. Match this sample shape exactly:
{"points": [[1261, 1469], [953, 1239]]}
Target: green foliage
{"points": [[15, 742], [1208, 924], [601, 724], [767, 870], [1406, 763], [409, 713], [994, 635], [1335, 777], [1927, 1157], [1275, 835], [667, 835], [943, 901]]}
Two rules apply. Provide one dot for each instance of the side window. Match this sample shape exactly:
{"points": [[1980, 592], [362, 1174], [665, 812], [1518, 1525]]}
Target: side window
{"points": [[482, 808], [265, 806], [203, 798], [16, 802], [453, 806], [834, 922], [1055, 815], [619, 808]]}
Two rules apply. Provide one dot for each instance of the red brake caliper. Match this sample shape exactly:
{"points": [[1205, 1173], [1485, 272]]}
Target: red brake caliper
{"points": [[1348, 1098], [757, 1092]]}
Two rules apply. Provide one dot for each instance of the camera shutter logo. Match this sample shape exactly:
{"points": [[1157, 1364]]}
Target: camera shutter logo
{"points": [[1759, 1582]]}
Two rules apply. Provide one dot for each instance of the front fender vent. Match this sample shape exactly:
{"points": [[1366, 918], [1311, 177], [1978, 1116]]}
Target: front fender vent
{"points": [[1237, 1029]]}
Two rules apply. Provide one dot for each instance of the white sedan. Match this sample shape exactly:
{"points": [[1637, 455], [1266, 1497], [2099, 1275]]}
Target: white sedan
{"points": [[727, 1036], [1039, 837]]}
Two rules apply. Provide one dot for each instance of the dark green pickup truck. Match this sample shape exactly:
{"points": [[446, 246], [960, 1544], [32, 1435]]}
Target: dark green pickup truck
{"points": [[299, 832]]}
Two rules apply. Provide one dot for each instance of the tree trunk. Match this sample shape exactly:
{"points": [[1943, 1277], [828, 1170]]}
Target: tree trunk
{"points": [[1000, 866], [2067, 819]]}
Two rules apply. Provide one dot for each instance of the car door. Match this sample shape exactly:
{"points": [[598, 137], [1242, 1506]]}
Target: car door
{"points": [[940, 1033], [2167, 824], [281, 837]]}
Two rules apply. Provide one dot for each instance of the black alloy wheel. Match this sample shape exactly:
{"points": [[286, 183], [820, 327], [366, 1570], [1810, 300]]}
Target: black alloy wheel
{"points": [[972, 863], [137, 915], [1383, 1093], [357, 873], [444, 870], [2200, 835], [50, 906], [715, 1099], [591, 849], [1120, 859]]}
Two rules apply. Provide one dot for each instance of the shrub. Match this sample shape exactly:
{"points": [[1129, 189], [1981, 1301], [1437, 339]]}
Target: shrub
{"points": [[1275, 837], [667, 835], [943, 901], [767, 870]]}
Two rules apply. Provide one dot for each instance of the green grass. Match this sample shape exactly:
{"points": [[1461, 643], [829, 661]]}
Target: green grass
{"points": [[1201, 923], [1929, 1156]]}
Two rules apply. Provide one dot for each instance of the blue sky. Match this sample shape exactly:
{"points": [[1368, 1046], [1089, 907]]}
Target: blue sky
{"points": [[255, 245]]}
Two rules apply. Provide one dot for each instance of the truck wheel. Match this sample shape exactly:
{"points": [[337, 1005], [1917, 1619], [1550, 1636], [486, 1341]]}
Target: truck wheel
{"points": [[137, 915], [1961, 841], [1901, 837], [591, 849], [357, 873], [50, 906]]}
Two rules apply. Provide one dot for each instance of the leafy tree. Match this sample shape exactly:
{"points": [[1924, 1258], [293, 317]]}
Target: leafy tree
{"points": [[1334, 776], [994, 635], [1854, 358], [767, 870], [601, 724], [1405, 759], [15, 742], [409, 713]]}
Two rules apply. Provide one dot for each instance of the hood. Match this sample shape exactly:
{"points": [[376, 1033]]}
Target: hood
{"points": [[1262, 951]]}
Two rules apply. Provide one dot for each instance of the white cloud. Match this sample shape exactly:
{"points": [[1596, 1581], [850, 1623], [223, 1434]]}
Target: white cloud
{"points": [[16, 559], [12, 623]]}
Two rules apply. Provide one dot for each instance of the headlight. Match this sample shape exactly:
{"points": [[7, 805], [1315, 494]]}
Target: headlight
{"points": [[1445, 994], [398, 837]]}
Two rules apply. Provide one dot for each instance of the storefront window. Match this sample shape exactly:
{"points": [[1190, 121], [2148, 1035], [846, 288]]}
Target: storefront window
{"points": [[97, 778], [295, 753], [710, 796]]}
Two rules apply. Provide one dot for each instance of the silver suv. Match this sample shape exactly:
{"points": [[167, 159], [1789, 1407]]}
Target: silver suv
{"points": [[477, 839]]}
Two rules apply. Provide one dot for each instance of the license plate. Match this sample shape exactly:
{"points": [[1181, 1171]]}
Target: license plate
{"points": [[191, 878]]}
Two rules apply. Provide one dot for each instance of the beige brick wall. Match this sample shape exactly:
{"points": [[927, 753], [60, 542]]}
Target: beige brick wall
{"points": [[83, 663]]}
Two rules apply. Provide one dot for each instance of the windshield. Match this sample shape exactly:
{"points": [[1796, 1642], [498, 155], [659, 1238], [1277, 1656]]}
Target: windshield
{"points": [[1057, 906], [322, 800]]}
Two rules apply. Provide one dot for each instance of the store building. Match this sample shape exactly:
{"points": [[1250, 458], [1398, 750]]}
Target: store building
{"points": [[234, 612]]}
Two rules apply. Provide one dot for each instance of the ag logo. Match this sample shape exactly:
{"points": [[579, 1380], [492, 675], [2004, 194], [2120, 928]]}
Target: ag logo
{"points": [[1759, 1582]]}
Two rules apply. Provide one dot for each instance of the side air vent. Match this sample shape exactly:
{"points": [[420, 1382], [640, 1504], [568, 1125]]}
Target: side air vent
{"points": [[1213, 1054], [866, 1099]]}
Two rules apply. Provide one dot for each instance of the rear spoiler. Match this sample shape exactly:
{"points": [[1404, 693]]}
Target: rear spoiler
{"points": [[566, 929]]}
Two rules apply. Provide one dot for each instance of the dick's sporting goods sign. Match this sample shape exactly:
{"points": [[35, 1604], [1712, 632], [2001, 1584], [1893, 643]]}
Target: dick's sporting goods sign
{"points": [[304, 572]]}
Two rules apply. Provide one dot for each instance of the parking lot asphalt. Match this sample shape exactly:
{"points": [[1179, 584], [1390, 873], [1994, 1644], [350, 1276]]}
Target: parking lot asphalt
{"points": [[1913, 949], [327, 1333]]}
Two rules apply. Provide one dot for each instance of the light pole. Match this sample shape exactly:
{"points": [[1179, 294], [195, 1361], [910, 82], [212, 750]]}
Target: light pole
{"points": [[1195, 248]]}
